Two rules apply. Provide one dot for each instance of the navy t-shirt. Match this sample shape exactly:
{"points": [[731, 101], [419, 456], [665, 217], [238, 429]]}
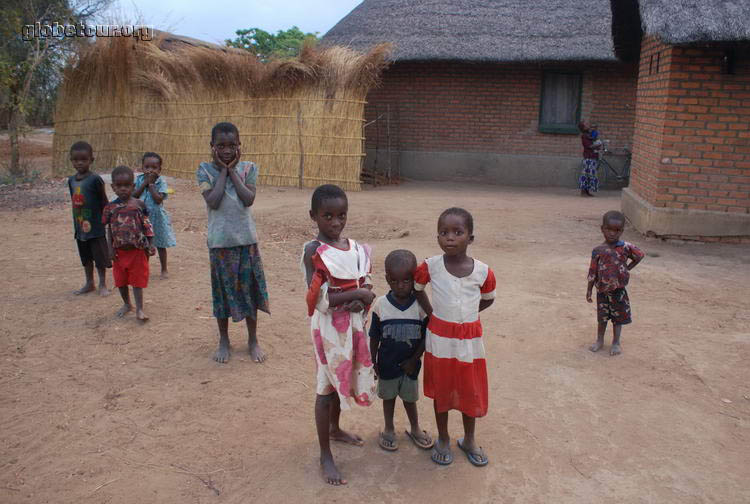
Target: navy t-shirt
{"points": [[399, 329]]}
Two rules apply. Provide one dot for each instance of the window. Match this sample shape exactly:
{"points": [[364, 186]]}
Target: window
{"points": [[560, 109]]}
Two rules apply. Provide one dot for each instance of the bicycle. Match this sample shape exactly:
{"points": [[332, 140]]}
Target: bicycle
{"points": [[603, 167]]}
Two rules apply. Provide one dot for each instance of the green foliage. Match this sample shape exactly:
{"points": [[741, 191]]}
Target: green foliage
{"points": [[283, 45]]}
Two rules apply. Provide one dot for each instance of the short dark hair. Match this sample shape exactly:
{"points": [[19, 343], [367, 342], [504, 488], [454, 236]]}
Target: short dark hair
{"points": [[326, 192], [459, 212], [151, 154], [400, 258], [122, 170], [82, 146], [613, 215], [224, 127]]}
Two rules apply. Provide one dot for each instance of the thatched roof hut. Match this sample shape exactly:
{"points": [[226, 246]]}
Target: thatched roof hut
{"points": [[481, 30], [299, 120]]}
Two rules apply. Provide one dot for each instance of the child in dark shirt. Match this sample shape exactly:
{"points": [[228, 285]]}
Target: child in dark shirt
{"points": [[397, 341], [130, 241], [89, 197], [609, 271]]}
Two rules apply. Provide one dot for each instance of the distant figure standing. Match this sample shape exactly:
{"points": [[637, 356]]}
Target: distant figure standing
{"points": [[609, 271], [238, 284], [151, 187], [89, 197], [588, 182]]}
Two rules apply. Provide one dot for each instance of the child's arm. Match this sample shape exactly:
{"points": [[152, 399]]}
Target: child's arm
{"points": [[588, 291], [593, 270], [103, 195], [485, 303], [112, 250], [362, 294], [245, 191], [636, 255], [155, 194], [139, 190], [214, 195], [424, 302], [376, 331], [148, 229]]}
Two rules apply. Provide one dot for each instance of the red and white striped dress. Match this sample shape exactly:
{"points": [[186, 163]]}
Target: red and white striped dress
{"points": [[455, 370]]}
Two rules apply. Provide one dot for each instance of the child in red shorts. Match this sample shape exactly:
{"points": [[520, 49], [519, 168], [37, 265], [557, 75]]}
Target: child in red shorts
{"points": [[609, 271], [130, 235]]}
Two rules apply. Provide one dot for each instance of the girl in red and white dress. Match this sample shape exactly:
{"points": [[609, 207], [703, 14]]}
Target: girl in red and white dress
{"points": [[337, 271], [455, 371]]}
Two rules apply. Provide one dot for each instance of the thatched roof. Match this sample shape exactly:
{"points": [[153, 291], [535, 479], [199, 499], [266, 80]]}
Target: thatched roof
{"points": [[686, 21], [481, 30]]}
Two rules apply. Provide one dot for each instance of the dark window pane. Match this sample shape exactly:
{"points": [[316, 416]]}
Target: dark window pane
{"points": [[561, 94]]}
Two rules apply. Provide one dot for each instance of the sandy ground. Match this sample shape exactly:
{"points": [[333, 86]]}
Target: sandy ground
{"points": [[98, 409]]}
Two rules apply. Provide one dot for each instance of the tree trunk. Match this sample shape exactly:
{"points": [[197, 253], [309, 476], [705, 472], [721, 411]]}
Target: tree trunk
{"points": [[15, 155]]}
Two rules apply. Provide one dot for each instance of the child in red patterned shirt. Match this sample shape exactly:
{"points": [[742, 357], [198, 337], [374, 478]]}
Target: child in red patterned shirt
{"points": [[609, 271], [130, 235]]}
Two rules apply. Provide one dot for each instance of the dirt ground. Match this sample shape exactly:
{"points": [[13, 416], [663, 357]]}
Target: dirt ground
{"points": [[102, 410]]}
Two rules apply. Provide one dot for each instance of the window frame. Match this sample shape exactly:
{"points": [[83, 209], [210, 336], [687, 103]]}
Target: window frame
{"points": [[565, 129]]}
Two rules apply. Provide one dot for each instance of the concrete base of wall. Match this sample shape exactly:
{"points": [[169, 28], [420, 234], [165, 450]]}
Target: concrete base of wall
{"points": [[484, 167], [672, 221]]}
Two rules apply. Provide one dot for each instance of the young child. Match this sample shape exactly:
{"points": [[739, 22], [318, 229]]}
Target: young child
{"points": [[238, 284], [89, 197], [455, 371], [130, 240], [588, 182], [337, 271], [151, 187], [609, 271], [396, 345]]}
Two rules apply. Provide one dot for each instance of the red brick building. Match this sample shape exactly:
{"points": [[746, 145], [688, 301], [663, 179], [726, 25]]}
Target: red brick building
{"points": [[691, 148], [491, 91]]}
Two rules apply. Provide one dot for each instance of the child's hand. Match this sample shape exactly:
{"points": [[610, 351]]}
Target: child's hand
{"points": [[113, 254], [151, 250], [588, 296], [375, 369], [366, 296], [409, 366], [355, 306], [151, 178]]}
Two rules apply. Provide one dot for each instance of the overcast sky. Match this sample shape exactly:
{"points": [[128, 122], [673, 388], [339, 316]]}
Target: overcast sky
{"points": [[215, 21]]}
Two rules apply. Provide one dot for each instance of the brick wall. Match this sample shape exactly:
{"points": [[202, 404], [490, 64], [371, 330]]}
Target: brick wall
{"points": [[464, 107], [692, 139]]}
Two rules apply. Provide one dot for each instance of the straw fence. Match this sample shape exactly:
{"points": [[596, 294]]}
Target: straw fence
{"points": [[300, 121]]}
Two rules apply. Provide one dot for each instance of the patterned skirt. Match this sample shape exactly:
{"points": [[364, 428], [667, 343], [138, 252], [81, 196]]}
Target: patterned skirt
{"points": [[588, 181], [238, 284]]}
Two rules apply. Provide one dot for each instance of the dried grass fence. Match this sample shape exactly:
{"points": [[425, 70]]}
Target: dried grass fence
{"points": [[300, 121]]}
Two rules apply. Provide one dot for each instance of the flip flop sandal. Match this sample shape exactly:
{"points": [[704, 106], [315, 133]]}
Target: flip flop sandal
{"points": [[383, 443], [436, 457], [418, 442], [474, 458]]}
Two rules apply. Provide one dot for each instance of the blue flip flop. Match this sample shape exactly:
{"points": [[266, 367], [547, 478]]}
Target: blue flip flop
{"points": [[436, 457], [474, 458]]}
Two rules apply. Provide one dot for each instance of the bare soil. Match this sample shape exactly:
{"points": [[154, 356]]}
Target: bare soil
{"points": [[106, 410]]}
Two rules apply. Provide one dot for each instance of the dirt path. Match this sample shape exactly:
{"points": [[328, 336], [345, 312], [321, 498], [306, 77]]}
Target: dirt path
{"points": [[96, 409]]}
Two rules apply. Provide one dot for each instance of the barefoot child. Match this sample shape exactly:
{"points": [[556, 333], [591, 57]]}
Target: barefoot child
{"points": [[455, 371], [151, 187], [396, 345], [238, 284], [609, 271], [337, 271], [130, 240], [89, 197]]}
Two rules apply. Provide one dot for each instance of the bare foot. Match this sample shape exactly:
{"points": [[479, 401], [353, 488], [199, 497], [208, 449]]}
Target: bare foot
{"points": [[331, 474], [221, 354], [256, 353], [596, 346], [616, 350], [141, 316], [84, 290], [103, 291], [344, 437], [164, 275], [125, 309]]}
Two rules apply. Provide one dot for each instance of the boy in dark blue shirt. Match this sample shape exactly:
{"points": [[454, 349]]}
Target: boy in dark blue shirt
{"points": [[397, 339]]}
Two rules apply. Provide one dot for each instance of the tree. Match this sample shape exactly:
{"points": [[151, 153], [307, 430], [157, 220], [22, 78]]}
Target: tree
{"points": [[285, 44], [31, 60]]}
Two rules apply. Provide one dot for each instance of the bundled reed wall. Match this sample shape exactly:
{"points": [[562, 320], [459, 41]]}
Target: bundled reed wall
{"points": [[300, 121]]}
